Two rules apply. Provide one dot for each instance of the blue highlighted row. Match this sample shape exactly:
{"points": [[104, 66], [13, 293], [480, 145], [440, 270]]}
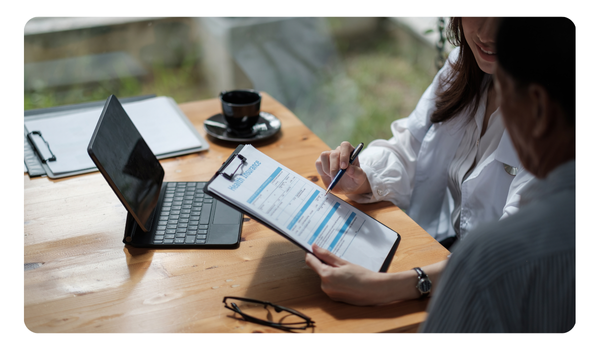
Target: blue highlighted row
{"points": [[301, 212], [265, 184], [341, 232], [318, 231]]}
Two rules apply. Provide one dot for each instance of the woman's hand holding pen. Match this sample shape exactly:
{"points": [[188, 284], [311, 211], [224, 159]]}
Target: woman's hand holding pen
{"points": [[354, 180]]}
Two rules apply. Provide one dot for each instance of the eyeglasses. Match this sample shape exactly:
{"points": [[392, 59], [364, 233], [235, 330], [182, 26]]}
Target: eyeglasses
{"points": [[259, 312]]}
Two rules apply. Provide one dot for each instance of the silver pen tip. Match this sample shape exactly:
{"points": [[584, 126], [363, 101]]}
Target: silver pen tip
{"points": [[327, 192]]}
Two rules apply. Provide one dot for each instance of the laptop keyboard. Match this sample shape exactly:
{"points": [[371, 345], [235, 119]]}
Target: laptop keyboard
{"points": [[185, 214]]}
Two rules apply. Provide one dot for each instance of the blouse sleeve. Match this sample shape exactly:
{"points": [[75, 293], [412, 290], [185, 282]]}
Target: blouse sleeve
{"points": [[390, 167], [390, 164]]}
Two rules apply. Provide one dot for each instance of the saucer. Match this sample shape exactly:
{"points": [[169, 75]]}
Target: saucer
{"points": [[267, 126]]}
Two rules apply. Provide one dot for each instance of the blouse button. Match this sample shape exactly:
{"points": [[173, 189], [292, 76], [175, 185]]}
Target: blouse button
{"points": [[380, 192]]}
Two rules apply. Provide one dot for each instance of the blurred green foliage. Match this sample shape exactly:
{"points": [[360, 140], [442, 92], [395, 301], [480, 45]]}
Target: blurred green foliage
{"points": [[180, 82], [380, 78], [383, 76]]}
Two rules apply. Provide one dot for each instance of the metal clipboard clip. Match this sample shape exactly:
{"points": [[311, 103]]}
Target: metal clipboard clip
{"points": [[37, 150], [232, 174]]}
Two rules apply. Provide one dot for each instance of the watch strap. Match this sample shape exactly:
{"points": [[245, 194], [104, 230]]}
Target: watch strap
{"points": [[422, 278]]}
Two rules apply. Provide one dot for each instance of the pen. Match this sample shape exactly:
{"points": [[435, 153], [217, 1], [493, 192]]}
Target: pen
{"points": [[338, 176]]}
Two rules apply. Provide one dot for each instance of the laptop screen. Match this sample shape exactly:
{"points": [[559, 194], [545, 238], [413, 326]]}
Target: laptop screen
{"points": [[127, 163]]}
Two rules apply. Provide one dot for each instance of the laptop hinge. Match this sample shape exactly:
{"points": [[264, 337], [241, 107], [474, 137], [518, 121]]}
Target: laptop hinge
{"points": [[130, 225]]}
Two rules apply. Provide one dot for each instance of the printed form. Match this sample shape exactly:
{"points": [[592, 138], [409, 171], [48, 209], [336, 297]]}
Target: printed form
{"points": [[302, 211]]}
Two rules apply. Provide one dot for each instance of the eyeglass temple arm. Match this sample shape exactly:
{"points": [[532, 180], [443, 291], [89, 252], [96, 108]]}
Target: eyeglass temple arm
{"points": [[277, 308]]}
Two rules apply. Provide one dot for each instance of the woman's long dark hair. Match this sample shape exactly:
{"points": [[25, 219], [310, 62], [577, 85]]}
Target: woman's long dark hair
{"points": [[461, 88]]}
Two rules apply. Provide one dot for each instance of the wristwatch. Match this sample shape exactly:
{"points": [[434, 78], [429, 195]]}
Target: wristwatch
{"points": [[423, 283]]}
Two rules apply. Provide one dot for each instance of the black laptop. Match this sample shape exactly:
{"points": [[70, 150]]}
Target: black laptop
{"points": [[160, 214]]}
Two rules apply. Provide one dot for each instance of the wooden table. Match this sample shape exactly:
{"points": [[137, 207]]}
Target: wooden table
{"points": [[79, 277]]}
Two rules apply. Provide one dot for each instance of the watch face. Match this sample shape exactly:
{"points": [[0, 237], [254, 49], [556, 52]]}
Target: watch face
{"points": [[424, 285]]}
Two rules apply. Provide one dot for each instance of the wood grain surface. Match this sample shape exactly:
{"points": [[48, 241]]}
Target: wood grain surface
{"points": [[79, 277]]}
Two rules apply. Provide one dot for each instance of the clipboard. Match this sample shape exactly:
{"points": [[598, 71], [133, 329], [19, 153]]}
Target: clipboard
{"points": [[55, 139], [34, 165], [236, 156]]}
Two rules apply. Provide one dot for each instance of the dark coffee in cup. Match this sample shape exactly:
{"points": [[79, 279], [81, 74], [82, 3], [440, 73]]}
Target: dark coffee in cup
{"points": [[241, 109]]}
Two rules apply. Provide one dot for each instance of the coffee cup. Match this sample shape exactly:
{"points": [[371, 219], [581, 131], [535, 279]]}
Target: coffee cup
{"points": [[241, 109]]}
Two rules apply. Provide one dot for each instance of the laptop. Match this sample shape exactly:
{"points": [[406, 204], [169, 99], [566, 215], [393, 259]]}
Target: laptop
{"points": [[160, 214]]}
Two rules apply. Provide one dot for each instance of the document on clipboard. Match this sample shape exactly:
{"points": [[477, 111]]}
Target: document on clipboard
{"points": [[299, 210], [56, 139]]}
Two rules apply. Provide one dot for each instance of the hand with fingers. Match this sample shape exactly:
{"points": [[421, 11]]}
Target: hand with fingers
{"points": [[347, 282], [353, 284], [354, 180]]}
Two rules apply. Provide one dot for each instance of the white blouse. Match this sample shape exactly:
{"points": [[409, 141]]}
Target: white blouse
{"points": [[472, 149], [447, 178]]}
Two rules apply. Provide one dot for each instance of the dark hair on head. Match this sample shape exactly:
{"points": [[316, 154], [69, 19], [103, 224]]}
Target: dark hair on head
{"points": [[461, 88], [540, 50]]}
